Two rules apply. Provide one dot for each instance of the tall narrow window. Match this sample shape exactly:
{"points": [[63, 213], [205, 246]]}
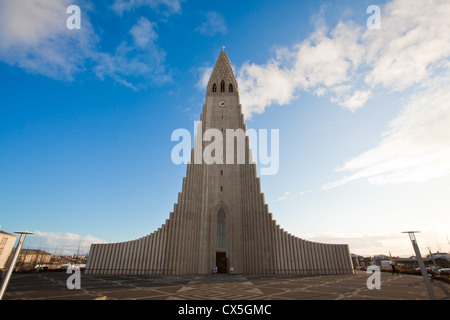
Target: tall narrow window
{"points": [[214, 88], [230, 88], [222, 86], [221, 241]]}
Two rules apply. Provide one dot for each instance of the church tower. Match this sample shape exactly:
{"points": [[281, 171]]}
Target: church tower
{"points": [[221, 219]]}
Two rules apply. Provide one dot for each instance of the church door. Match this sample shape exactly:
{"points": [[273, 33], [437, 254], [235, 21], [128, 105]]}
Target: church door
{"points": [[221, 262]]}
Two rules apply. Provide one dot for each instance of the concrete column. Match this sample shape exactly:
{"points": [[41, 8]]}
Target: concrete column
{"points": [[163, 248], [313, 259], [182, 237], [276, 266], [140, 249], [271, 255], [302, 256], [253, 247], [101, 261], [329, 250], [91, 265], [321, 258], [286, 236], [247, 221], [134, 251], [319, 266], [331, 259], [120, 252], [259, 227], [340, 260], [151, 262], [280, 265], [176, 245], [134, 258], [327, 259], [296, 254], [105, 257], [143, 255], [157, 261], [284, 251], [190, 231], [288, 252], [111, 258], [97, 260], [147, 254], [126, 265], [116, 265], [161, 264], [284, 260], [169, 250], [348, 259], [287, 243]]}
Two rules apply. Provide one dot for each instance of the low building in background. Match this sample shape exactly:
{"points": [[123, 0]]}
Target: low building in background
{"points": [[29, 258]]}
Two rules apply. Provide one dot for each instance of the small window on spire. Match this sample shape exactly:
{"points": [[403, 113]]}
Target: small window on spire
{"points": [[222, 86], [214, 88], [230, 88]]}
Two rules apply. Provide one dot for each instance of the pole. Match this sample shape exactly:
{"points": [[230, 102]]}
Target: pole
{"points": [[432, 258], [23, 235], [423, 270]]}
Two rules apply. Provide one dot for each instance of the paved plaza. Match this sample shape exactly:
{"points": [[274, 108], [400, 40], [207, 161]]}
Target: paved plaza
{"points": [[52, 286]]}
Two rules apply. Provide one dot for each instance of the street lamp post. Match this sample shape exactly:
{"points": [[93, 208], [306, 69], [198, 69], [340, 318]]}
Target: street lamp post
{"points": [[423, 270], [23, 235]]}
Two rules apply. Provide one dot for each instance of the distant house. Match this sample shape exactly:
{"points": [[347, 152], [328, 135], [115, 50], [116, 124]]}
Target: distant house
{"points": [[7, 241], [28, 258], [442, 260]]}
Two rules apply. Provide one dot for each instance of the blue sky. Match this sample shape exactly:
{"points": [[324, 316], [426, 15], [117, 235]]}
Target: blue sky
{"points": [[86, 115]]}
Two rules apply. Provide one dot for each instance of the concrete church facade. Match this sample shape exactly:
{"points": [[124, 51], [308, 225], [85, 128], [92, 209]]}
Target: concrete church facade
{"points": [[221, 218]]}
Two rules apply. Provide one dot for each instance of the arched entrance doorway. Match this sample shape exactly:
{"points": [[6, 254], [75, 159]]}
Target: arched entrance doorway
{"points": [[221, 262]]}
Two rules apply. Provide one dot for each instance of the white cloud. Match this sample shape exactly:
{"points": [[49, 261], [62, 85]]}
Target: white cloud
{"points": [[411, 51], [142, 59], [285, 196], [348, 63], [411, 44], [416, 148], [204, 75], [260, 86], [395, 242], [61, 243], [172, 6], [215, 23], [34, 36], [324, 63], [354, 101]]}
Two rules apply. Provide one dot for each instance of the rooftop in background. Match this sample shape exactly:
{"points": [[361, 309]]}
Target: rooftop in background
{"points": [[9, 234]]}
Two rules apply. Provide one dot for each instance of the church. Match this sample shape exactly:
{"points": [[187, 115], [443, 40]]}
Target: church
{"points": [[221, 222]]}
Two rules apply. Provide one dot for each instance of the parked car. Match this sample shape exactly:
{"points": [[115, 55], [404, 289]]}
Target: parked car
{"points": [[444, 271]]}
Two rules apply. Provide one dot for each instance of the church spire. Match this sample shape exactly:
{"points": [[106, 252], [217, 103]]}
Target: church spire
{"points": [[222, 78]]}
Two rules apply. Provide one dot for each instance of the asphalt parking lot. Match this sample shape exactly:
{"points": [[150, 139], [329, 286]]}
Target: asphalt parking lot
{"points": [[53, 286]]}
